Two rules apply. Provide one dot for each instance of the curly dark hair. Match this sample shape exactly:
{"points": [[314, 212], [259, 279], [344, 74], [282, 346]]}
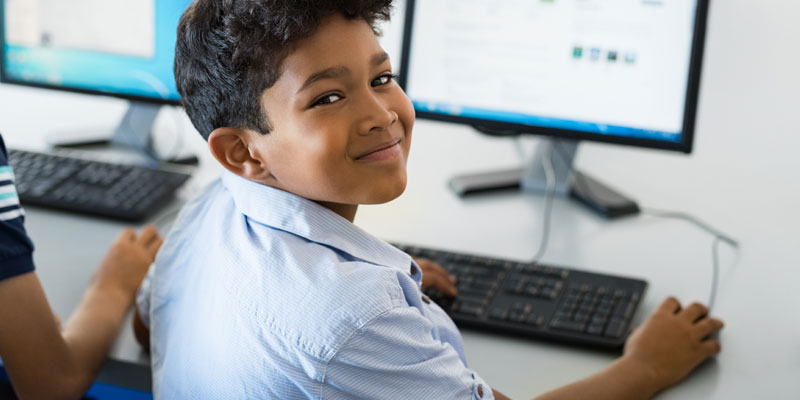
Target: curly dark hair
{"points": [[229, 51]]}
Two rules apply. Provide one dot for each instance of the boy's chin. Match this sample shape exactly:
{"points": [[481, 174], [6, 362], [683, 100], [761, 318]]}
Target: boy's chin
{"points": [[386, 194]]}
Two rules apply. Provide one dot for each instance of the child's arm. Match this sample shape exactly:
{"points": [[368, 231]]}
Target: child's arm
{"points": [[659, 353], [44, 362]]}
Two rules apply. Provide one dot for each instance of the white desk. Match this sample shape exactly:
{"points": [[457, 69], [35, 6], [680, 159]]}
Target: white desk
{"points": [[742, 178]]}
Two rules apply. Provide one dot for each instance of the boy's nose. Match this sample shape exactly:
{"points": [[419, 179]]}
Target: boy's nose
{"points": [[377, 115]]}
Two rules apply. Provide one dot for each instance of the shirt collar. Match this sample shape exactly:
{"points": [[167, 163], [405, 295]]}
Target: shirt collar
{"points": [[302, 217]]}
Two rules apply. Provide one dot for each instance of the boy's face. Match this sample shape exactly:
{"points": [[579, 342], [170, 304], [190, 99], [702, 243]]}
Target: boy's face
{"points": [[341, 126]]}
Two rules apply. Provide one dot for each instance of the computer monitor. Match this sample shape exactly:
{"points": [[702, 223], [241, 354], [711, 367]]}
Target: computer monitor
{"points": [[615, 71], [120, 48]]}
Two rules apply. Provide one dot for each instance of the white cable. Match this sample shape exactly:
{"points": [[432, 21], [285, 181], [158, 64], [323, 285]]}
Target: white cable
{"points": [[694, 220], [715, 273], [547, 164], [718, 235]]}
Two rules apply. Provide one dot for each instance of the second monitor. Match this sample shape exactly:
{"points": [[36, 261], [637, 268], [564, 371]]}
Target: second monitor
{"points": [[113, 48], [624, 72]]}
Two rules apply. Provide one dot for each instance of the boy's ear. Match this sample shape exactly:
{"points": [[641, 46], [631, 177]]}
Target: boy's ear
{"points": [[230, 146]]}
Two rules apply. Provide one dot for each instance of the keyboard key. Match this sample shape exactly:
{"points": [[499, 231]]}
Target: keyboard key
{"points": [[499, 313], [517, 316], [537, 320], [568, 325], [533, 291], [615, 328], [474, 309], [466, 292], [621, 309], [595, 329]]}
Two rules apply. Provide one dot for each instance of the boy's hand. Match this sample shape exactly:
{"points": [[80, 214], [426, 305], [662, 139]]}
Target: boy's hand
{"points": [[127, 262], [673, 341], [436, 277]]}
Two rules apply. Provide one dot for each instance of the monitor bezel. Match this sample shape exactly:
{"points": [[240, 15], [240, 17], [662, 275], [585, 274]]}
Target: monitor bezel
{"points": [[4, 78], [690, 106]]}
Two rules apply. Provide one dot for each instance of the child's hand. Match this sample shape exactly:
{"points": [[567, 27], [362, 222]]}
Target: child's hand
{"points": [[435, 276], [672, 341], [126, 263]]}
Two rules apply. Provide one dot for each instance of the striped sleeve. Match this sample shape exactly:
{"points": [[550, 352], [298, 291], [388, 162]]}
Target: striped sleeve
{"points": [[395, 356], [143, 297], [16, 248]]}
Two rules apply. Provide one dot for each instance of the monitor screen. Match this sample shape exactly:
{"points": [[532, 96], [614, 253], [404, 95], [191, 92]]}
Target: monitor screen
{"points": [[623, 71], [117, 47]]}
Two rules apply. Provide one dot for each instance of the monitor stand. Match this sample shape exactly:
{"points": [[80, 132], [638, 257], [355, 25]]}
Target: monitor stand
{"points": [[133, 132], [568, 181]]}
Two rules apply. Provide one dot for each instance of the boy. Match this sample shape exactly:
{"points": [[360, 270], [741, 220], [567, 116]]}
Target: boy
{"points": [[43, 360], [265, 288]]}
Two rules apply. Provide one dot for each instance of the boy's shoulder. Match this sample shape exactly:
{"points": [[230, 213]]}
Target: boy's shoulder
{"points": [[275, 286]]}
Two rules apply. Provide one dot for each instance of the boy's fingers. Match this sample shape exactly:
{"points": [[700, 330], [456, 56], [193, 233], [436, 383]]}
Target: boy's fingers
{"points": [[670, 305], [148, 234], [440, 279], [430, 267], [434, 275], [127, 235], [707, 326], [444, 274], [58, 320], [710, 347], [434, 266], [694, 312], [443, 283], [153, 247]]}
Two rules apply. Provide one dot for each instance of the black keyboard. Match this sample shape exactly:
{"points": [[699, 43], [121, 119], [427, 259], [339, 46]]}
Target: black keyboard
{"points": [[117, 191], [535, 300]]}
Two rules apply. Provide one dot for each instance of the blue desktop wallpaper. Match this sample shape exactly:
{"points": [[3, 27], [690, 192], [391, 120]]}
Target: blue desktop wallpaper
{"points": [[547, 122], [104, 72]]}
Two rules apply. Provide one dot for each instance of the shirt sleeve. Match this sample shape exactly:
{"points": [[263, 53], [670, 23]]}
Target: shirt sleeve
{"points": [[395, 356], [143, 297], [16, 248]]}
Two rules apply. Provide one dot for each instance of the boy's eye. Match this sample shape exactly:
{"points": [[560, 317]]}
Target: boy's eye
{"points": [[327, 99], [383, 79]]}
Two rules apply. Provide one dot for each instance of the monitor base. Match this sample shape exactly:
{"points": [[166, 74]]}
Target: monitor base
{"points": [[589, 191], [133, 132]]}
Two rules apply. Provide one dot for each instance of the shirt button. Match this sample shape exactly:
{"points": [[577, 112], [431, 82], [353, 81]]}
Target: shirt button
{"points": [[426, 299], [480, 391]]}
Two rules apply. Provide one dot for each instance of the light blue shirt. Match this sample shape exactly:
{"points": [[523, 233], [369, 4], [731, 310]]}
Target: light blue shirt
{"points": [[258, 293]]}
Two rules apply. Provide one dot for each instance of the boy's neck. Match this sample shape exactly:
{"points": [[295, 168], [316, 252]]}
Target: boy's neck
{"points": [[347, 211]]}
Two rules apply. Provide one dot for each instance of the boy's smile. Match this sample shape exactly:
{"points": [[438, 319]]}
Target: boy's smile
{"points": [[341, 126]]}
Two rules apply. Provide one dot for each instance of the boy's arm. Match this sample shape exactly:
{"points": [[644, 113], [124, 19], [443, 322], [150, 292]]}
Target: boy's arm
{"points": [[660, 353], [45, 363]]}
